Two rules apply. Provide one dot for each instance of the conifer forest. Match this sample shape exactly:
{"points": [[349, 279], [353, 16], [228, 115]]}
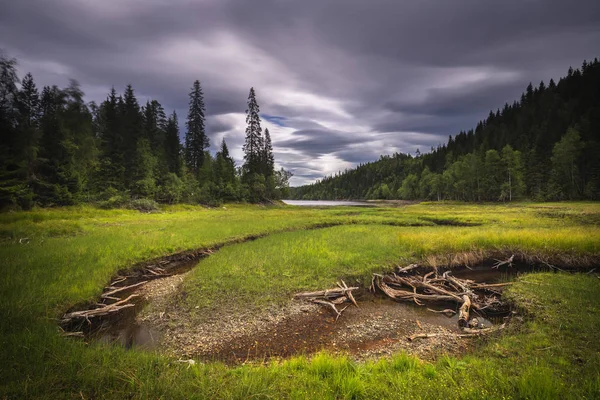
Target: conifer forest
{"points": [[59, 150], [542, 147]]}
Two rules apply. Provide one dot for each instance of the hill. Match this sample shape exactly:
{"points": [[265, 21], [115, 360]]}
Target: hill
{"points": [[545, 146]]}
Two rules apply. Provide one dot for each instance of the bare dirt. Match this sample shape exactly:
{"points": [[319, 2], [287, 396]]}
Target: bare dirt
{"points": [[378, 327]]}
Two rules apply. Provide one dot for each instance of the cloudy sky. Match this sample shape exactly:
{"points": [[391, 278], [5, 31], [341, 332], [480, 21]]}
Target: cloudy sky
{"points": [[338, 82]]}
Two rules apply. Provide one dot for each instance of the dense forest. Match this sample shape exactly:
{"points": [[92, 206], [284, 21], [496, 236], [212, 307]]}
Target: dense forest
{"points": [[56, 149], [546, 146]]}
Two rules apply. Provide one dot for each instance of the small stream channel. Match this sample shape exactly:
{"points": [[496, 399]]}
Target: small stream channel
{"points": [[378, 321]]}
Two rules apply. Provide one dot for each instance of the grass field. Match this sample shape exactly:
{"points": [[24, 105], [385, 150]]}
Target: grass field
{"points": [[53, 259]]}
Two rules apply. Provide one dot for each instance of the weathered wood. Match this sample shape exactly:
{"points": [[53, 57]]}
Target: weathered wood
{"points": [[422, 336], [446, 311], [508, 261], [478, 332], [463, 312], [490, 285], [406, 295], [99, 312], [407, 268], [329, 293], [333, 307], [113, 291]]}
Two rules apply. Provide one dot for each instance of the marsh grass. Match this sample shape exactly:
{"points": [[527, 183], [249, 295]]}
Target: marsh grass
{"points": [[72, 253]]}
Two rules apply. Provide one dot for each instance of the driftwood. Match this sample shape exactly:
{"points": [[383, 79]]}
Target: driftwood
{"points": [[463, 312], [468, 333], [432, 287], [331, 297], [447, 311], [508, 261], [422, 336], [100, 311], [114, 290]]}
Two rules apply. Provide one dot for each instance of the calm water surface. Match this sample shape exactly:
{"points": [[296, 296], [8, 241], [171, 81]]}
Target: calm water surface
{"points": [[326, 203]]}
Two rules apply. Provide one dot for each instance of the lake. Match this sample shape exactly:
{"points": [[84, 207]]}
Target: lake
{"points": [[326, 203]]}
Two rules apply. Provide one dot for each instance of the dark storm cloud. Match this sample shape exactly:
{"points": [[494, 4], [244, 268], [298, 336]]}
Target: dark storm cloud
{"points": [[338, 82], [319, 141]]}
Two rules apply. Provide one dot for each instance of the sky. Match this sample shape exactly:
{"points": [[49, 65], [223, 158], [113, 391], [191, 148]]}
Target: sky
{"points": [[338, 82]]}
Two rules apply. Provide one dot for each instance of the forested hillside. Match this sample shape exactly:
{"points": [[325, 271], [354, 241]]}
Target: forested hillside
{"points": [[56, 149], [545, 146]]}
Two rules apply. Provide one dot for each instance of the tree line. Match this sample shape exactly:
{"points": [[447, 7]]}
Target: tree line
{"points": [[59, 150], [545, 146]]}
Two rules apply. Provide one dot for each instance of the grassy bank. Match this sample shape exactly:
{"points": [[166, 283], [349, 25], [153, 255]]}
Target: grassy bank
{"points": [[66, 256]]}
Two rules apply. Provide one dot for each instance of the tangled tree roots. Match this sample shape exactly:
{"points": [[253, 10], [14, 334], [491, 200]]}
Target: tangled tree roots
{"points": [[405, 284], [433, 287]]}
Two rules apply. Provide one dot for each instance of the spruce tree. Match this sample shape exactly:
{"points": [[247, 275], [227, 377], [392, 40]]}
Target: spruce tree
{"points": [[253, 146], [224, 166], [196, 140], [13, 188], [268, 159], [112, 146], [132, 129], [28, 105], [172, 145]]}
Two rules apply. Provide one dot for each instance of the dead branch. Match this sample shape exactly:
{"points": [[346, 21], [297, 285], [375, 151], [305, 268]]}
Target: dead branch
{"points": [[349, 294], [326, 294], [447, 311], [333, 307], [500, 263], [484, 331], [99, 312], [490, 285], [422, 336], [113, 290], [407, 268]]}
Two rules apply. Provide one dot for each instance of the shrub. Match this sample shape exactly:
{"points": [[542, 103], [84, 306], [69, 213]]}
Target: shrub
{"points": [[144, 205]]}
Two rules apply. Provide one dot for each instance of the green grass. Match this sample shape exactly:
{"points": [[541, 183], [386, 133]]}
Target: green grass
{"points": [[72, 253]]}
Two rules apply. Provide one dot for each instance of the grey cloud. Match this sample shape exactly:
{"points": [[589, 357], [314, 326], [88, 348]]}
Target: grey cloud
{"points": [[382, 75]]}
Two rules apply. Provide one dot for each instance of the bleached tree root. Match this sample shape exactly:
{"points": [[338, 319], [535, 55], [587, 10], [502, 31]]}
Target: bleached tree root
{"points": [[331, 297], [433, 287]]}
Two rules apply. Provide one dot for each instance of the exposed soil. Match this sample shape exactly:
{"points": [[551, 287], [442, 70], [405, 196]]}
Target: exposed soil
{"points": [[378, 327]]}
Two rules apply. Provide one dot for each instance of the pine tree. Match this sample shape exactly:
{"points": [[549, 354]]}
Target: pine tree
{"points": [[268, 159], [196, 140], [253, 146]]}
